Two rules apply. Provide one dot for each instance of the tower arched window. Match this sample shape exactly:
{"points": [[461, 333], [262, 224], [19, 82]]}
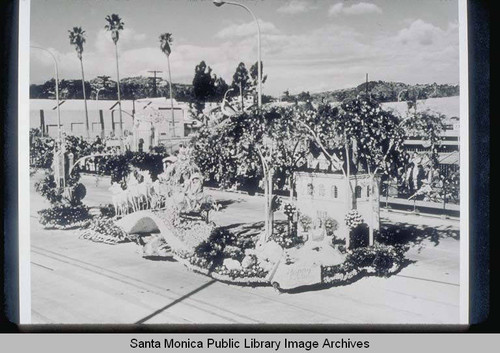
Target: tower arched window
{"points": [[335, 192], [357, 192], [321, 190]]}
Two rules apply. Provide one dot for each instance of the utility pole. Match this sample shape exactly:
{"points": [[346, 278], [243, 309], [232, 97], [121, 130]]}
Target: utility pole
{"points": [[154, 72], [366, 86]]}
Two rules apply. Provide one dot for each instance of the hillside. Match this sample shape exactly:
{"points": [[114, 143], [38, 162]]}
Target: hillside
{"points": [[131, 88], [383, 92]]}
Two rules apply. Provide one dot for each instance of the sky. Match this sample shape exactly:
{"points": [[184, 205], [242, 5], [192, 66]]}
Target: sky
{"points": [[313, 46]]}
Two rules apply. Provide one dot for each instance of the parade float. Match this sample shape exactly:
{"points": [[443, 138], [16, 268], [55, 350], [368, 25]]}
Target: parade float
{"points": [[309, 249], [328, 237]]}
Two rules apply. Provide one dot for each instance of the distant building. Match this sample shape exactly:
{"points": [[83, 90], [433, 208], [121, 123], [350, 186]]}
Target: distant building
{"points": [[104, 119], [449, 148]]}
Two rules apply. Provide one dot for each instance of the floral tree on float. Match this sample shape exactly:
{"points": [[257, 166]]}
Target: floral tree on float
{"points": [[264, 143], [357, 136], [270, 144]]}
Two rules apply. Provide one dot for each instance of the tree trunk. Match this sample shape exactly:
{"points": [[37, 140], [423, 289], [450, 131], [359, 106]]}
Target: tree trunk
{"points": [[263, 238], [290, 186], [270, 216], [350, 198], [171, 96], [85, 101], [119, 97], [350, 202], [241, 96], [372, 220]]}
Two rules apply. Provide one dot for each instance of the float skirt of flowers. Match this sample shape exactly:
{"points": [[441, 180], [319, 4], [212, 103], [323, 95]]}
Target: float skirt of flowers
{"points": [[381, 261]]}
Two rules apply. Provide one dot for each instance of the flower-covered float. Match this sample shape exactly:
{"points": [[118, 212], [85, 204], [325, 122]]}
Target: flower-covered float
{"points": [[300, 252], [286, 261], [170, 217]]}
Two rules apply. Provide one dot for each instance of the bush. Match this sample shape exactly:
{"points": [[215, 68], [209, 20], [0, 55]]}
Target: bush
{"points": [[41, 150], [161, 149], [64, 216], [75, 194], [107, 211], [212, 250], [47, 188], [78, 146], [119, 166], [147, 161], [359, 236]]}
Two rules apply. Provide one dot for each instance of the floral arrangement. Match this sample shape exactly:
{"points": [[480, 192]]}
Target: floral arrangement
{"points": [[104, 230], [62, 216], [286, 239], [331, 225], [353, 219], [376, 260], [289, 210], [194, 233], [306, 222], [251, 272]]}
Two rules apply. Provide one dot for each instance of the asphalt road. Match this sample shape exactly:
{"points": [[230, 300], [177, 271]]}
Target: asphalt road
{"points": [[79, 281]]}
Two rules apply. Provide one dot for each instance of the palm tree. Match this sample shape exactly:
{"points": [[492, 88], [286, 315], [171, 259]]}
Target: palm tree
{"points": [[77, 38], [115, 25], [166, 40]]}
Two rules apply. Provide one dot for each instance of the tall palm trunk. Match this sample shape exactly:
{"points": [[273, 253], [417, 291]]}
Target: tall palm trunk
{"points": [[119, 97], [85, 101], [171, 96]]}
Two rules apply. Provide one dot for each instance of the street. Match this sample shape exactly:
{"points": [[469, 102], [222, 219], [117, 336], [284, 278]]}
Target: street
{"points": [[79, 281]]}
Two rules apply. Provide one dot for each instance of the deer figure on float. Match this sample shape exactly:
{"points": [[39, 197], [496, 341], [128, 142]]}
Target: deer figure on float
{"points": [[120, 199]]}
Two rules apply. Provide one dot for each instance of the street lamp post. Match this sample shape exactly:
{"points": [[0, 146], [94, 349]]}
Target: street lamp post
{"points": [[61, 175], [59, 134], [219, 3]]}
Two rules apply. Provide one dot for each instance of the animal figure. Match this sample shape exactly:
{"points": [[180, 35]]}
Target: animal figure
{"points": [[119, 199]]}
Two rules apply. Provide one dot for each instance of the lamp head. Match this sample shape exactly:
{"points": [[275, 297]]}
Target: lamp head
{"points": [[218, 3]]}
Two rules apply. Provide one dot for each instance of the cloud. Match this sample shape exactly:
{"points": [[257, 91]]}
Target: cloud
{"points": [[246, 29], [420, 32], [296, 6], [335, 9], [361, 8], [328, 57]]}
